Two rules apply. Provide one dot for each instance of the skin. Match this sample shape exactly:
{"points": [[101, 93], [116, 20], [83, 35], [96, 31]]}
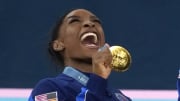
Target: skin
{"points": [[78, 55]]}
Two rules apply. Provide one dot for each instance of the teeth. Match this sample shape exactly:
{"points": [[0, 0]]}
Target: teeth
{"points": [[89, 34]]}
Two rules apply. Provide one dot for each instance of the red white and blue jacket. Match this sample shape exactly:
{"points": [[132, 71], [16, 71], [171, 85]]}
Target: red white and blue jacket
{"points": [[73, 85]]}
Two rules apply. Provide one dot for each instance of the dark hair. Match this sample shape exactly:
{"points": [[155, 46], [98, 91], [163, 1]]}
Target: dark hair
{"points": [[56, 56]]}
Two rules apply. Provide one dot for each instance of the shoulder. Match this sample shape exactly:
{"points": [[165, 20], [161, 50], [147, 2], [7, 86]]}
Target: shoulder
{"points": [[51, 84], [44, 85]]}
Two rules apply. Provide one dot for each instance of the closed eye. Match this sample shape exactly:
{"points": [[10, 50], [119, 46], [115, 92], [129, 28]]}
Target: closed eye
{"points": [[74, 20], [97, 20]]}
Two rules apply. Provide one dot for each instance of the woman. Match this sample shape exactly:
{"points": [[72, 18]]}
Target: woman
{"points": [[78, 43]]}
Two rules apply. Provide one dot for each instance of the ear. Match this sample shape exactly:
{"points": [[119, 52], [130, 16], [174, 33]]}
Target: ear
{"points": [[58, 45]]}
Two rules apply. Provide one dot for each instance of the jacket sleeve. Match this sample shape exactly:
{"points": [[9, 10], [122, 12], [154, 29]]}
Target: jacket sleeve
{"points": [[96, 90]]}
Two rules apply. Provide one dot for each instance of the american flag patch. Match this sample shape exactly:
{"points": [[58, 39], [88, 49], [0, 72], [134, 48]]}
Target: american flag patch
{"points": [[52, 96]]}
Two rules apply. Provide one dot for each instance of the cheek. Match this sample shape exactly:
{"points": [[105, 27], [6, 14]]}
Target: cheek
{"points": [[102, 35], [73, 29], [70, 50], [71, 37], [72, 43]]}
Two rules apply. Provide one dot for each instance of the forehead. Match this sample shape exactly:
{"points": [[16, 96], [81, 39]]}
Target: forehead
{"points": [[80, 12]]}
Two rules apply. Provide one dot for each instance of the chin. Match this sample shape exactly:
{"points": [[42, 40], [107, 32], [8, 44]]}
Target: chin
{"points": [[91, 52]]}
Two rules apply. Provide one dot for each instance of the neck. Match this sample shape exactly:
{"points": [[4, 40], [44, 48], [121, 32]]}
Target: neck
{"points": [[80, 64]]}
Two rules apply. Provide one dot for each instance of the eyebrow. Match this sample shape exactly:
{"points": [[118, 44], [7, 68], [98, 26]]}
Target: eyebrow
{"points": [[73, 16], [94, 17], [70, 17]]}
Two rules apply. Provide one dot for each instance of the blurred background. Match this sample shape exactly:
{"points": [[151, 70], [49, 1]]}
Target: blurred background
{"points": [[149, 29]]}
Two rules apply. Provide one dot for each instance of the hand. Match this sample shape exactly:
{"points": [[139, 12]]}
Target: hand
{"points": [[102, 62]]}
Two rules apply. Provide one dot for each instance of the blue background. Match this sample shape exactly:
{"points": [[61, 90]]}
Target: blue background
{"points": [[149, 29]]}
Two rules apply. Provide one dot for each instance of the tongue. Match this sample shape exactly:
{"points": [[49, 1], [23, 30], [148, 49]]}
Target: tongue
{"points": [[88, 40]]}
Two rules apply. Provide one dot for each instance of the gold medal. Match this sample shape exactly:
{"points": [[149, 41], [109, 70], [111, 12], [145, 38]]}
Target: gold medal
{"points": [[121, 58]]}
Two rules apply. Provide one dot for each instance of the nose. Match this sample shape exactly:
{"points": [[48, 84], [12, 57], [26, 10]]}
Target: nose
{"points": [[89, 24]]}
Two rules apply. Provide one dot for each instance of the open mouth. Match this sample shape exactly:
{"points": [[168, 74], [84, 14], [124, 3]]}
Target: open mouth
{"points": [[90, 40]]}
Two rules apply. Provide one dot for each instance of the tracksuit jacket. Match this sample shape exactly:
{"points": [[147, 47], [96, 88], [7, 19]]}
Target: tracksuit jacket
{"points": [[74, 85]]}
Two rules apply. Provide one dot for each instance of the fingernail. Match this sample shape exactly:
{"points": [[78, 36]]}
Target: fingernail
{"points": [[102, 48]]}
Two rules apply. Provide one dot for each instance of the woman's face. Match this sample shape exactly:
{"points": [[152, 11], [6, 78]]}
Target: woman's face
{"points": [[81, 34]]}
